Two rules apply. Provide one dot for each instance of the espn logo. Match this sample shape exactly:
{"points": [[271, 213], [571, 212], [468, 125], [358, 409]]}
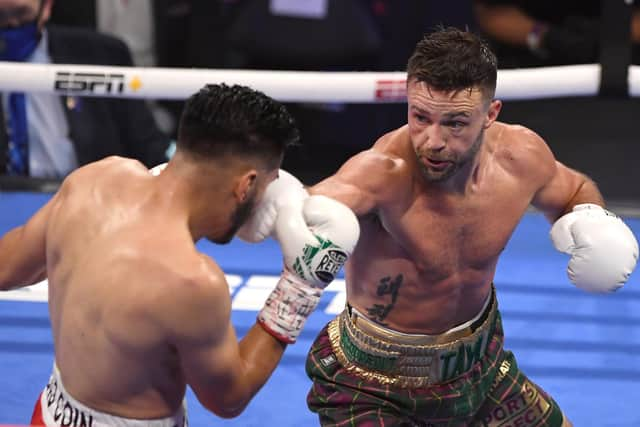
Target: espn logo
{"points": [[390, 90], [90, 83]]}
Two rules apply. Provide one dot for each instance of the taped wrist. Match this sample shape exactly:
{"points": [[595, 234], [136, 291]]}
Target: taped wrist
{"points": [[288, 307], [594, 208]]}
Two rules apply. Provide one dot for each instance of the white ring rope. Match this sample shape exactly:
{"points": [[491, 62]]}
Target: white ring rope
{"points": [[286, 86]]}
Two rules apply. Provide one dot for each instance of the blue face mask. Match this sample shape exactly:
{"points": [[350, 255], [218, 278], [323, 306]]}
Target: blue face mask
{"points": [[16, 44]]}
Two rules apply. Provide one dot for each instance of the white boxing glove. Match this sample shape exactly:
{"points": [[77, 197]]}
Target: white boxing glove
{"points": [[155, 171], [285, 190], [316, 242], [603, 249]]}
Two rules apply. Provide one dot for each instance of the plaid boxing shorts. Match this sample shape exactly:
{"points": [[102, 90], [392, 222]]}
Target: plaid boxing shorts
{"points": [[366, 375]]}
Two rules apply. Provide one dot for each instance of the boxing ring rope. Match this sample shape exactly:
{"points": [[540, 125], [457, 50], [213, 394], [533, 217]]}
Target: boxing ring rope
{"points": [[286, 86], [73, 80]]}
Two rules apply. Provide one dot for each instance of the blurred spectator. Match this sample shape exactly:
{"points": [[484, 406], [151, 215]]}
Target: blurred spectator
{"points": [[369, 35], [50, 135], [164, 33], [544, 32], [159, 33], [310, 35], [132, 22]]}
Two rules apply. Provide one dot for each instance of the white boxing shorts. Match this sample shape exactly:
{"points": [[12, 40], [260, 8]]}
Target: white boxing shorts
{"points": [[56, 408]]}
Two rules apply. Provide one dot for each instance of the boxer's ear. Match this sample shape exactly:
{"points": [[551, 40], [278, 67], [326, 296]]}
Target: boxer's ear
{"points": [[493, 111], [245, 185]]}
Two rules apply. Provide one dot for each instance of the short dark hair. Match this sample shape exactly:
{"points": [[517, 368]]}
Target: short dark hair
{"points": [[221, 120], [451, 59]]}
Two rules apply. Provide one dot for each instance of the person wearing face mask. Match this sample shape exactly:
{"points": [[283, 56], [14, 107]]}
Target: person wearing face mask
{"points": [[49, 136]]}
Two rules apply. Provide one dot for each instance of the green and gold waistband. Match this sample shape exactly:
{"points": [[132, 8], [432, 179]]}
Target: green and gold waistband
{"points": [[409, 360]]}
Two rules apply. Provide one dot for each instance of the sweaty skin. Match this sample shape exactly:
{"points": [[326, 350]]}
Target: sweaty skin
{"points": [[429, 243], [137, 312]]}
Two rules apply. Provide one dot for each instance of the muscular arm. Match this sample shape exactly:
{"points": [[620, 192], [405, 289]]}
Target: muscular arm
{"points": [[23, 252], [359, 183], [604, 251], [561, 187], [224, 374]]}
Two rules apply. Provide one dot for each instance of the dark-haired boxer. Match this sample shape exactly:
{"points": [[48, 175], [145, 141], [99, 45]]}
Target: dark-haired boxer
{"points": [[137, 313]]}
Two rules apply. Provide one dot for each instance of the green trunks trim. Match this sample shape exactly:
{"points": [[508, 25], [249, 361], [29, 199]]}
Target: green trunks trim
{"points": [[354, 354]]}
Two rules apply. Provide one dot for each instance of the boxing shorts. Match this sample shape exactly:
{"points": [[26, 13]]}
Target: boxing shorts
{"points": [[57, 408]]}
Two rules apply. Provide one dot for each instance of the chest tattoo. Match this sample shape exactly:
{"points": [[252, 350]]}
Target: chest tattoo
{"points": [[388, 288]]}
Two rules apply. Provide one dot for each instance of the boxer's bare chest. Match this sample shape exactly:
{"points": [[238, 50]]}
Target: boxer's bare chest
{"points": [[444, 234]]}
